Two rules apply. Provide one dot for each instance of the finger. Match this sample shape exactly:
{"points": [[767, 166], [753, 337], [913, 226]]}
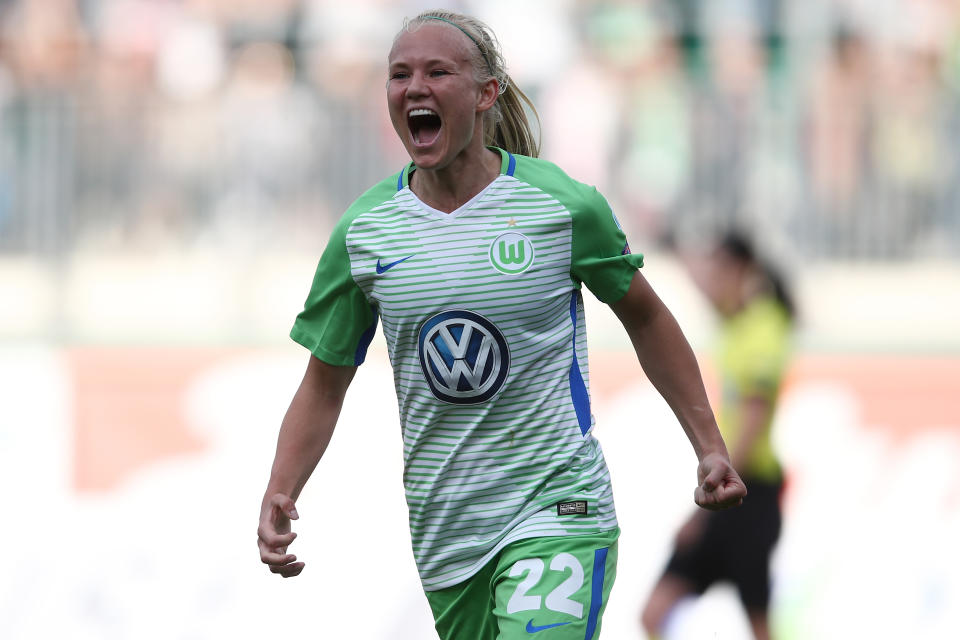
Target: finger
{"points": [[724, 502], [274, 540], [289, 570], [731, 495], [700, 497], [721, 498], [707, 500], [284, 504], [276, 558], [713, 479]]}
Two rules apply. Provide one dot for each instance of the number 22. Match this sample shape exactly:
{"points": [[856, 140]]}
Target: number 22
{"points": [[556, 600]]}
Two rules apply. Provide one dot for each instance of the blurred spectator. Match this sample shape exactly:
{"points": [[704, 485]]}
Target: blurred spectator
{"points": [[47, 49], [344, 65], [657, 141], [269, 141], [113, 109], [838, 130], [259, 21], [911, 155], [152, 122], [581, 112], [726, 115], [46, 42], [192, 66], [533, 61], [8, 94]]}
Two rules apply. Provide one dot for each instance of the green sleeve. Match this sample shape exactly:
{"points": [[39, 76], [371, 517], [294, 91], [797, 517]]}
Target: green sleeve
{"points": [[601, 257], [337, 322]]}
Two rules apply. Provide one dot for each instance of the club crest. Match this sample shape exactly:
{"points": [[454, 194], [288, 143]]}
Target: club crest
{"points": [[511, 253]]}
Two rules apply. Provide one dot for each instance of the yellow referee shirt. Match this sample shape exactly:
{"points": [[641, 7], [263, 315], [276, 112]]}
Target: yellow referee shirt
{"points": [[753, 354]]}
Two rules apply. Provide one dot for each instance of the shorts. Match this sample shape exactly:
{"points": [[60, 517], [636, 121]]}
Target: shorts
{"points": [[560, 584], [735, 546]]}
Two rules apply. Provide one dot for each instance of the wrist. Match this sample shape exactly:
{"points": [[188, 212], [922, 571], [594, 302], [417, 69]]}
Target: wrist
{"points": [[714, 450]]}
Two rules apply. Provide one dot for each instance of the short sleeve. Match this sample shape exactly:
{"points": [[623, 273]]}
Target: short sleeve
{"points": [[337, 323], [601, 256]]}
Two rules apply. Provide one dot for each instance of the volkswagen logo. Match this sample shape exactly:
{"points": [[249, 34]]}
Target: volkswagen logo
{"points": [[464, 357]]}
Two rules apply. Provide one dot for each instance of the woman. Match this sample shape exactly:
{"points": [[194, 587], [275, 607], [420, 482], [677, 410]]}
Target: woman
{"points": [[473, 257], [736, 546]]}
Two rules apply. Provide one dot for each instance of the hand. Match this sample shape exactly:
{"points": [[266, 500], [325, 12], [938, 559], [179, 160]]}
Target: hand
{"points": [[720, 485], [274, 535]]}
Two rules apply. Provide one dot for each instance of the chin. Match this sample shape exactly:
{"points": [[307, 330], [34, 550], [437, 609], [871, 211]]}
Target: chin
{"points": [[427, 160]]}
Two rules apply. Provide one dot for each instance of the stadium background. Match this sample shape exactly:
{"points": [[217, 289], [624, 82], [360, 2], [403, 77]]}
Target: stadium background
{"points": [[169, 171]]}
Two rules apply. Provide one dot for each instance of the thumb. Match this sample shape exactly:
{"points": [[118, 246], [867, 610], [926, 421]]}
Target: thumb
{"points": [[713, 479]]}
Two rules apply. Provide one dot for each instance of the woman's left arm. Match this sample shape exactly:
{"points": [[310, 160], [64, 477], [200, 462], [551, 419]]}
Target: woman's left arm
{"points": [[669, 363]]}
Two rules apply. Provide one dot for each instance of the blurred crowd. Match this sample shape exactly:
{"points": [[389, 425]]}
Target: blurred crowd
{"points": [[831, 126]]}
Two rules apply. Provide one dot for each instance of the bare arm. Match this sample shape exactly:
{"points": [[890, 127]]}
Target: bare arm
{"points": [[304, 435], [669, 362]]}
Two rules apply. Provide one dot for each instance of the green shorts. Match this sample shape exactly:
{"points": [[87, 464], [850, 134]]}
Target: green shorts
{"points": [[554, 588]]}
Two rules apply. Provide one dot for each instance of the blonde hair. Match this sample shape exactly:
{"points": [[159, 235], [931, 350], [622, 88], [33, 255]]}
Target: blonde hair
{"points": [[505, 124]]}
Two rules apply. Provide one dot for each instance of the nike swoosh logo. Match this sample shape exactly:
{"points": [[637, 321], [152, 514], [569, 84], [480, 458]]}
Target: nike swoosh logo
{"points": [[533, 629], [382, 268]]}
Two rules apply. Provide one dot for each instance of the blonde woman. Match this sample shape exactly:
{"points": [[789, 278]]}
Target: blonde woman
{"points": [[473, 257]]}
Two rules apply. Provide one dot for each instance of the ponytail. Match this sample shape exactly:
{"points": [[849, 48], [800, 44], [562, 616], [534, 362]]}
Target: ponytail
{"points": [[778, 289], [509, 128]]}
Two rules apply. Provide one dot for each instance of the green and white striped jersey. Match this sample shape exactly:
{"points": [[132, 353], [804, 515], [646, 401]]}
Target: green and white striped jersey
{"points": [[483, 319]]}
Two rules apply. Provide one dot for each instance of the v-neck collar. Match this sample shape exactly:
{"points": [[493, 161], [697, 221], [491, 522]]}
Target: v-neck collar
{"points": [[508, 164], [456, 213]]}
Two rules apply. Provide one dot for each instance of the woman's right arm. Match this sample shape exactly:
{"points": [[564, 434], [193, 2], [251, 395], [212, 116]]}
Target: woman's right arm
{"points": [[304, 435]]}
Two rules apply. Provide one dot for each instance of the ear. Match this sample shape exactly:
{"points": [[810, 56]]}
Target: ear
{"points": [[489, 92]]}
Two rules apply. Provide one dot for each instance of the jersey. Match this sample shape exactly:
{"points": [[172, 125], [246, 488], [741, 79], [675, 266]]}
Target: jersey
{"points": [[483, 318], [753, 353]]}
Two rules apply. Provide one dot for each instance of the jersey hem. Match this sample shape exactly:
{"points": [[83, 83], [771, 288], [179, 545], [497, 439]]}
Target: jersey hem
{"points": [[508, 540]]}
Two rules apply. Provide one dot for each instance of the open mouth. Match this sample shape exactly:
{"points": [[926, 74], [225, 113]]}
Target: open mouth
{"points": [[424, 126]]}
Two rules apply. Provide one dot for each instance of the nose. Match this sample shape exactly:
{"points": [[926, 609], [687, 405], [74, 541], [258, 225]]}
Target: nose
{"points": [[418, 86]]}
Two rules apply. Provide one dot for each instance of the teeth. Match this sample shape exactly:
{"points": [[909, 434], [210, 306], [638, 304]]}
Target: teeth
{"points": [[422, 112]]}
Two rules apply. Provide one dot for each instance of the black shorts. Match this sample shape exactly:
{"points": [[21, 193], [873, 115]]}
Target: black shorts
{"points": [[735, 546]]}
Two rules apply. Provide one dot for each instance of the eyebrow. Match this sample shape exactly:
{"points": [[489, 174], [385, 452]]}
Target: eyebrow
{"points": [[429, 63]]}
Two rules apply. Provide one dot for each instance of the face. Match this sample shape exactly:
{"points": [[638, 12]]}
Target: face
{"points": [[724, 282], [435, 103]]}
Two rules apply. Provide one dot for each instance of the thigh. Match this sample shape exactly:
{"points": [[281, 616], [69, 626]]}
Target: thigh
{"points": [[557, 586], [697, 561], [466, 610]]}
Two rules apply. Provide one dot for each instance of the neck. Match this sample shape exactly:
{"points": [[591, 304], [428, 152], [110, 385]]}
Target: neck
{"points": [[449, 188]]}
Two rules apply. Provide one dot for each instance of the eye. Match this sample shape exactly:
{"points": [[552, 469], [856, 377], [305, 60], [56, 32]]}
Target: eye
{"points": [[398, 75], [437, 73]]}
